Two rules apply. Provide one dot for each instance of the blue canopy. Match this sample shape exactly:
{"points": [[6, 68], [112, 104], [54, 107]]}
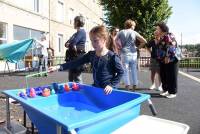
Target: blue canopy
{"points": [[13, 52]]}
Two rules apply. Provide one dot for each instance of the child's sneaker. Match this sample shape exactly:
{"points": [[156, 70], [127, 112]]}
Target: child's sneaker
{"points": [[164, 93], [160, 88], [152, 87], [170, 96]]}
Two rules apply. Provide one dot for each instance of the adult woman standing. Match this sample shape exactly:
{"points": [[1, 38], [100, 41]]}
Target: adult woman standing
{"points": [[166, 55], [128, 52], [76, 48]]}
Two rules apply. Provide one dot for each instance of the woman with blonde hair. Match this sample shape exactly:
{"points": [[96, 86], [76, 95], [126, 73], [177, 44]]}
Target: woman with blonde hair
{"points": [[128, 52]]}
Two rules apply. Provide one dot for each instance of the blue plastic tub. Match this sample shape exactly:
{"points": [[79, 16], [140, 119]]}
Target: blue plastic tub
{"points": [[86, 111]]}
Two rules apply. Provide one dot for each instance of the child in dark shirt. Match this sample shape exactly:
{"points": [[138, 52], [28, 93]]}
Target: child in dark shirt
{"points": [[152, 46], [106, 66]]}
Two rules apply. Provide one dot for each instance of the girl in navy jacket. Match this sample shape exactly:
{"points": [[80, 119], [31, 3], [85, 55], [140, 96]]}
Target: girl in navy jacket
{"points": [[106, 66]]}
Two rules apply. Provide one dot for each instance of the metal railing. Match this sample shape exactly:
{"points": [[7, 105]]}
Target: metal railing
{"points": [[57, 60], [185, 63], [144, 61], [189, 62]]}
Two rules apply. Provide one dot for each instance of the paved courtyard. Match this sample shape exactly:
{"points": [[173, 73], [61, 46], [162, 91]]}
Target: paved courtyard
{"points": [[185, 108]]}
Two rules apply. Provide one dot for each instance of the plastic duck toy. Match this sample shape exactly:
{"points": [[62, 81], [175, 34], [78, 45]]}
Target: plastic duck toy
{"points": [[51, 90], [38, 91], [22, 95], [46, 92], [67, 88], [61, 89], [32, 93], [75, 87], [55, 87]]}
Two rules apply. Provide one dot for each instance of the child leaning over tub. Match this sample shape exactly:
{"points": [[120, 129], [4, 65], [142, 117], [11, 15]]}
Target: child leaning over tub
{"points": [[106, 66]]}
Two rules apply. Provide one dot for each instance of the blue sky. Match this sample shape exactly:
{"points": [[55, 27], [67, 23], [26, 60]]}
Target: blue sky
{"points": [[186, 20]]}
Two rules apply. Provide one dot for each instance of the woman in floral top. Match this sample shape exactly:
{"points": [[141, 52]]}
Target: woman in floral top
{"points": [[167, 60]]}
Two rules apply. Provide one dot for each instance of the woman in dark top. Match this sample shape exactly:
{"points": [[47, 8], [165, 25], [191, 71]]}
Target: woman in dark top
{"points": [[76, 48], [106, 66], [166, 55]]}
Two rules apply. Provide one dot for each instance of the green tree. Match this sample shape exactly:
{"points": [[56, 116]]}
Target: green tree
{"points": [[194, 48], [198, 50], [190, 47], [146, 13]]}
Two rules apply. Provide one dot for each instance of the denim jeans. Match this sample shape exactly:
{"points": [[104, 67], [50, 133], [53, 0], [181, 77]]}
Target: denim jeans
{"points": [[43, 62], [129, 62]]}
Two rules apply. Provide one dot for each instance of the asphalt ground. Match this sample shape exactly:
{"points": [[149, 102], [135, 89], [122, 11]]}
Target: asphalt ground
{"points": [[185, 108], [192, 71]]}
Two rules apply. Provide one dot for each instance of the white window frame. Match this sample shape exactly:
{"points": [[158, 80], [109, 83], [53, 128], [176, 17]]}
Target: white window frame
{"points": [[71, 16], [60, 44], [60, 16], [36, 6], [6, 38], [87, 23]]}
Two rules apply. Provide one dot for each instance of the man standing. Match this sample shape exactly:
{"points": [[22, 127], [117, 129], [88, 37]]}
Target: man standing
{"points": [[44, 44]]}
